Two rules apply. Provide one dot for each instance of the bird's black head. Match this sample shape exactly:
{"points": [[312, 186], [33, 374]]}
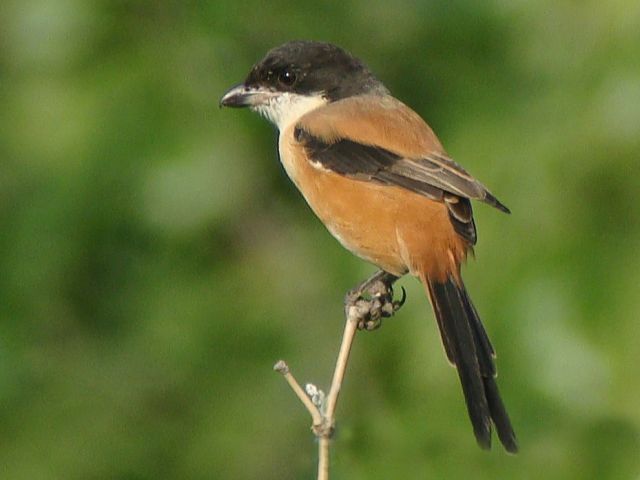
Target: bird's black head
{"points": [[307, 68], [299, 76]]}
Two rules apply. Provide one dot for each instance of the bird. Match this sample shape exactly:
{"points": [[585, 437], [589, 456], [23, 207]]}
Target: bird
{"points": [[379, 179]]}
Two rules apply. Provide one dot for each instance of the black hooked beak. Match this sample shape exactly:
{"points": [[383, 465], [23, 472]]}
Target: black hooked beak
{"points": [[244, 96]]}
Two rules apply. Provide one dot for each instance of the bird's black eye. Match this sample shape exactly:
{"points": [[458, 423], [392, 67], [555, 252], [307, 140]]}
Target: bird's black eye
{"points": [[287, 78]]}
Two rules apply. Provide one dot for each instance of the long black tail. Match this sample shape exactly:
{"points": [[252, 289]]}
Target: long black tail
{"points": [[469, 349]]}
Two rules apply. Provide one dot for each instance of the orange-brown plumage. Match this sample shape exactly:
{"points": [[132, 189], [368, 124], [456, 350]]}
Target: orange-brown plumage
{"points": [[368, 122], [394, 228]]}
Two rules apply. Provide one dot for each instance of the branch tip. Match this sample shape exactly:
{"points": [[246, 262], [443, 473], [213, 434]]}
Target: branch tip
{"points": [[281, 367]]}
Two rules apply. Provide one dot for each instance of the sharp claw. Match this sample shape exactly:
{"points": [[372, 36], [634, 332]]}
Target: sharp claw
{"points": [[399, 303]]}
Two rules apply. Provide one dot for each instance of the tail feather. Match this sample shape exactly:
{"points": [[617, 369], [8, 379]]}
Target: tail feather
{"points": [[500, 416], [486, 353], [468, 347]]}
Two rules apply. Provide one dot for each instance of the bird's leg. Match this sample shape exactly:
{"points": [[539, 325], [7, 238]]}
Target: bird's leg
{"points": [[374, 300]]}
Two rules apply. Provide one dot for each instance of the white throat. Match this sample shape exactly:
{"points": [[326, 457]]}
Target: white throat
{"points": [[286, 108]]}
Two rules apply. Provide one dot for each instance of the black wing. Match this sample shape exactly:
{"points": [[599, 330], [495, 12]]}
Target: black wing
{"points": [[435, 176]]}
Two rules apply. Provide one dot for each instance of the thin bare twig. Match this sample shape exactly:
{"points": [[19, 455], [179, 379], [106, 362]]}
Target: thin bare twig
{"points": [[360, 313], [324, 420], [341, 364], [323, 457], [316, 416]]}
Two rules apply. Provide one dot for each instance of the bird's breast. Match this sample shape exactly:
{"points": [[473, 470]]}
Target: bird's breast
{"points": [[395, 229]]}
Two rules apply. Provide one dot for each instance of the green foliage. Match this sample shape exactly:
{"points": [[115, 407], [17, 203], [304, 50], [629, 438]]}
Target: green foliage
{"points": [[155, 262]]}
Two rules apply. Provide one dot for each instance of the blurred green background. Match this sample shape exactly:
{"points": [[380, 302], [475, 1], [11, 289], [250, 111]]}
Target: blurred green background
{"points": [[155, 261]]}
